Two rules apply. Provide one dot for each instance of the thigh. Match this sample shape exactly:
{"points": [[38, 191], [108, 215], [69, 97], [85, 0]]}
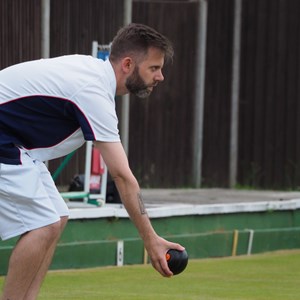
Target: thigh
{"points": [[27, 200], [57, 201]]}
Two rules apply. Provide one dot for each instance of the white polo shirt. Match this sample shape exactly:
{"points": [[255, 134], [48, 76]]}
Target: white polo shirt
{"points": [[51, 106]]}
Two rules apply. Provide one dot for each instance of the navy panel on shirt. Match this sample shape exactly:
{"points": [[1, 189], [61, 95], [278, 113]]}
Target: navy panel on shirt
{"points": [[37, 122]]}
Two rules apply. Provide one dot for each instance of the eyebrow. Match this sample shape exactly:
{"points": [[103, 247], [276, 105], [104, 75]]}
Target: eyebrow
{"points": [[156, 66]]}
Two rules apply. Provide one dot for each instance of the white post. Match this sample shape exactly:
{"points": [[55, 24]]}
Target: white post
{"points": [[120, 253], [45, 24], [88, 164], [45, 36], [199, 94], [125, 112], [250, 241], [125, 122], [233, 151], [94, 48]]}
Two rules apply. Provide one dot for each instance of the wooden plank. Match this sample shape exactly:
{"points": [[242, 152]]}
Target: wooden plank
{"points": [[217, 93], [270, 94]]}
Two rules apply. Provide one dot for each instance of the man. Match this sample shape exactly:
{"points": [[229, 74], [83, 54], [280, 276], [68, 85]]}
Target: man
{"points": [[48, 108]]}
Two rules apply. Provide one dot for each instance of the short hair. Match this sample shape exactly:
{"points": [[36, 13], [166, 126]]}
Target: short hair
{"points": [[135, 40]]}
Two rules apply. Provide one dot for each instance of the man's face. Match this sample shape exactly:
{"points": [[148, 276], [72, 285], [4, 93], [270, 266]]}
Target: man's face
{"points": [[147, 74]]}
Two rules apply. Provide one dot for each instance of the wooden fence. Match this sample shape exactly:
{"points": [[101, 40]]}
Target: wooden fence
{"points": [[161, 140], [20, 31], [269, 141]]}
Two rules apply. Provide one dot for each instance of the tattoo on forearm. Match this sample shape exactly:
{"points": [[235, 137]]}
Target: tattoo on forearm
{"points": [[141, 204]]}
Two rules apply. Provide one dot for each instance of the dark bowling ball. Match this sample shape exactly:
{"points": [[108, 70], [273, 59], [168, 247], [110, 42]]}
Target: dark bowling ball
{"points": [[177, 260]]}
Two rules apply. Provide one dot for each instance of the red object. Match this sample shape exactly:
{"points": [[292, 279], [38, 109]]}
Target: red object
{"points": [[97, 169]]}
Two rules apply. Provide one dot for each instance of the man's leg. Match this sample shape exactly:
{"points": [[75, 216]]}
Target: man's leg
{"points": [[36, 284], [27, 259], [29, 199]]}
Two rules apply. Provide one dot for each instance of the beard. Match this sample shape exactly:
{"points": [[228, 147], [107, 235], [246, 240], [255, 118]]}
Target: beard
{"points": [[137, 86]]}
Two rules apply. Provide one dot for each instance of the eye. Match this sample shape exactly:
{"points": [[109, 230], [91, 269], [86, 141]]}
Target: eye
{"points": [[154, 68]]}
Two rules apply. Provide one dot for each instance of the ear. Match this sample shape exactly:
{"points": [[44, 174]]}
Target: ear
{"points": [[127, 64]]}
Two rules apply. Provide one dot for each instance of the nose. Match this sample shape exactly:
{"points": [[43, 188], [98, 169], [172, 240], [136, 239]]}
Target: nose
{"points": [[159, 76]]}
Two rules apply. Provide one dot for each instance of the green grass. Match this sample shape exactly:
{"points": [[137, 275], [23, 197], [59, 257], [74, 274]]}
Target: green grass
{"points": [[259, 277]]}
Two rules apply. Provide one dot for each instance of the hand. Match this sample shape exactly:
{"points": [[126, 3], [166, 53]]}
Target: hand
{"points": [[157, 248]]}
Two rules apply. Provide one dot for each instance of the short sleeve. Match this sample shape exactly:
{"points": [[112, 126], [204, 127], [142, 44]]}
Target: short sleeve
{"points": [[97, 104]]}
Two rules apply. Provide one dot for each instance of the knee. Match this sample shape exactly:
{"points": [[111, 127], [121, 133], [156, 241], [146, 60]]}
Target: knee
{"points": [[63, 222], [44, 236], [53, 230]]}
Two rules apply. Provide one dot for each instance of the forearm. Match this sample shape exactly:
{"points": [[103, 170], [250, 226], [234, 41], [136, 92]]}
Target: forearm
{"points": [[131, 197], [128, 187]]}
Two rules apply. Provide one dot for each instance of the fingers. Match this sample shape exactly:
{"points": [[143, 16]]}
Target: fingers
{"points": [[162, 267], [176, 247], [159, 262]]}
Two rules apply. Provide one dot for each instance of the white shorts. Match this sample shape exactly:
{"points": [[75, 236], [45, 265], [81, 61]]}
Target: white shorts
{"points": [[29, 198]]}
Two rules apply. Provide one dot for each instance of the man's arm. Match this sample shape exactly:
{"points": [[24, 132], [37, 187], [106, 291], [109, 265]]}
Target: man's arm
{"points": [[129, 190]]}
